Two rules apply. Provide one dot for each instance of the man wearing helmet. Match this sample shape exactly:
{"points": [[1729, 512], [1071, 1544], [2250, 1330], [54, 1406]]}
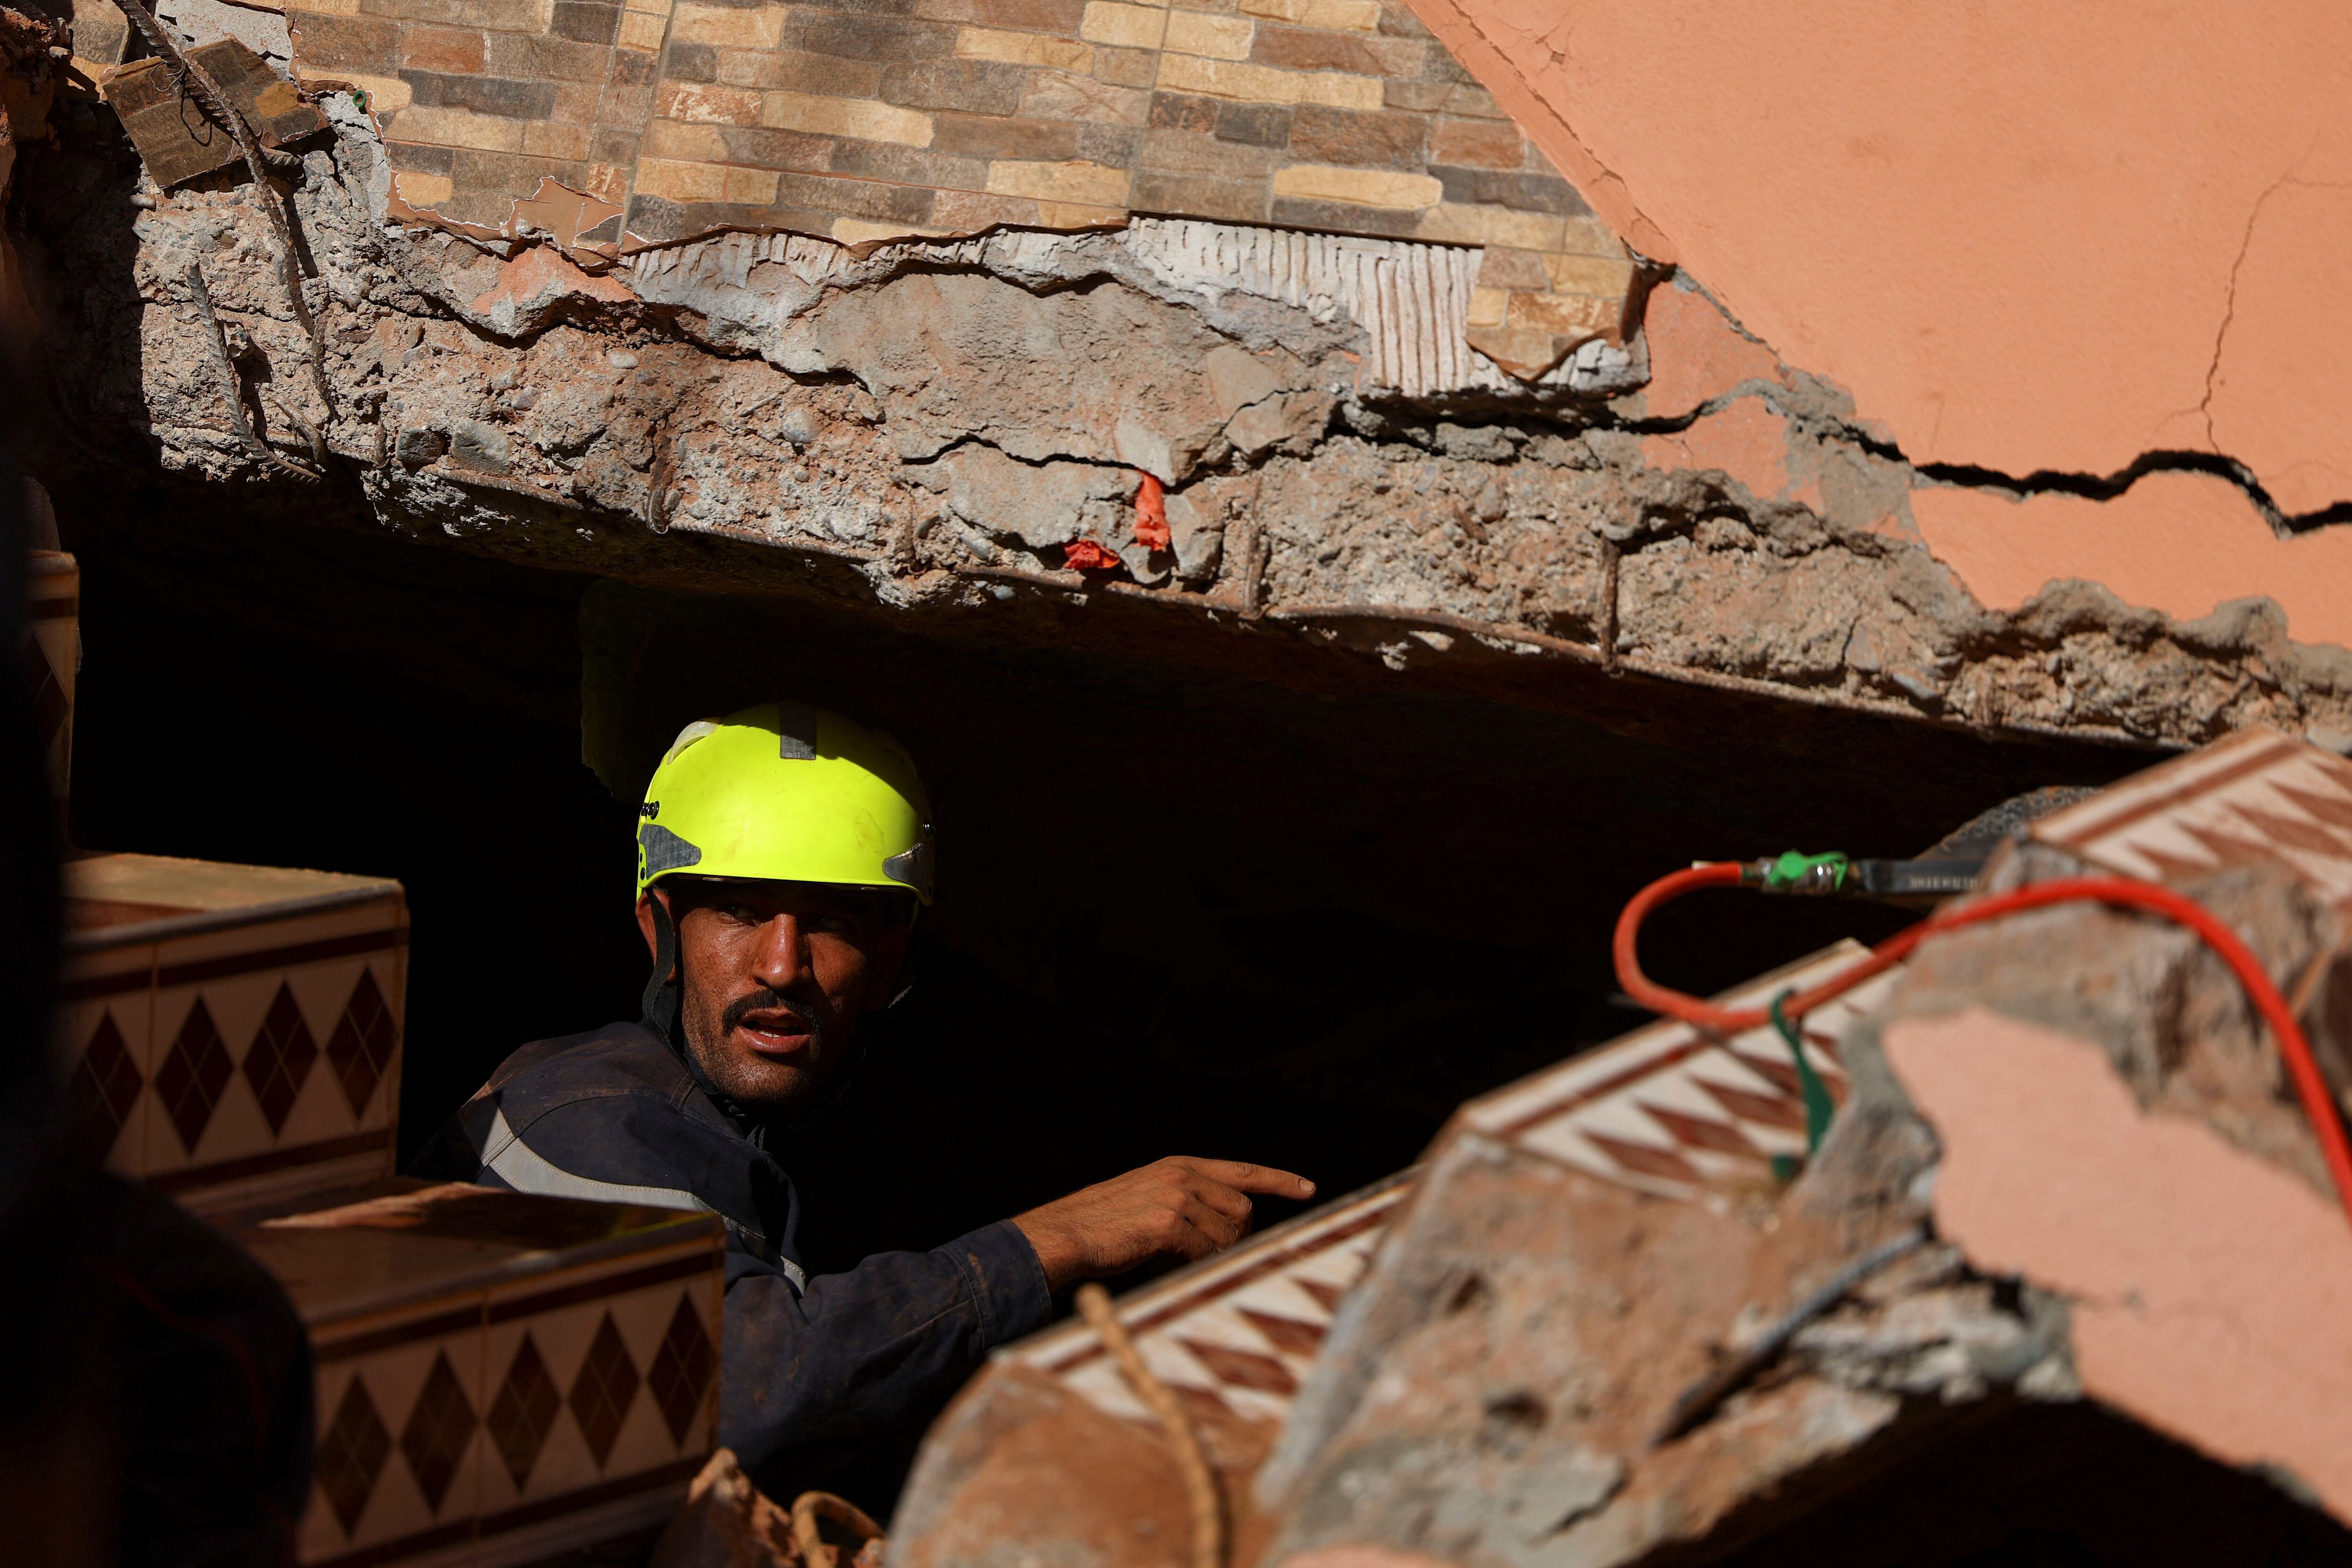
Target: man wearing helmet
{"points": [[783, 854]]}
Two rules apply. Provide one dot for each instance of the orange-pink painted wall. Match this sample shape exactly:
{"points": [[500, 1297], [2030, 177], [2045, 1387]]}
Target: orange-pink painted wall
{"points": [[2208, 1285], [2022, 236]]}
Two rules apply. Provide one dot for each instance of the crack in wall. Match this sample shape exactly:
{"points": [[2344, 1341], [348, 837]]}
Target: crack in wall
{"points": [[480, 387]]}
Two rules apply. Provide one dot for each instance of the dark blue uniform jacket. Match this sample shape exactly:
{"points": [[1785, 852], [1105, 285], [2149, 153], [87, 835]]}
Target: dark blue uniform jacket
{"points": [[815, 1371]]}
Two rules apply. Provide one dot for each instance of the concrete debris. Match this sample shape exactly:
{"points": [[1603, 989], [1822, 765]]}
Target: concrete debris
{"points": [[726, 1522], [1728, 523], [2066, 1169]]}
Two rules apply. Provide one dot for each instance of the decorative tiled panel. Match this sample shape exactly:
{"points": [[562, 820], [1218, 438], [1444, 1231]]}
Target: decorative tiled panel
{"points": [[2256, 797], [864, 120], [232, 1034], [51, 656], [1233, 1336], [1670, 1110], [502, 1377]]}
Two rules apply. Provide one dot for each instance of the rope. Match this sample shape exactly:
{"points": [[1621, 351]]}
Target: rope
{"points": [[1199, 1480], [2118, 893], [811, 1507]]}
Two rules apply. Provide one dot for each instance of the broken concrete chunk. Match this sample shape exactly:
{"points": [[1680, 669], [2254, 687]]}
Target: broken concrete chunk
{"points": [[1237, 379], [478, 446], [1196, 532], [177, 140], [1040, 504], [416, 448], [1293, 420]]}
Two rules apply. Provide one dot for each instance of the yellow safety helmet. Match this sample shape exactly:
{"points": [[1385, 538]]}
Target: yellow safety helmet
{"points": [[786, 792]]}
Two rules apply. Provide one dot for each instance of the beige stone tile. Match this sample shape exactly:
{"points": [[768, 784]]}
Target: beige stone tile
{"points": [[1080, 183], [1127, 68], [681, 181], [1062, 96], [640, 30], [1218, 37], [649, 7], [865, 231], [1591, 236], [1262, 84], [1565, 314], [968, 212], [726, 25], [1589, 275], [751, 187], [1359, 187], [455, 127], [704, 104], [1341, 15], [387, 94], [550, 141], [1504, 268], [1449, 224], [1075, 215], [422, 190], [860, 118], [1023, 49], [1486, 306], [1123, 25], [681, 142]]}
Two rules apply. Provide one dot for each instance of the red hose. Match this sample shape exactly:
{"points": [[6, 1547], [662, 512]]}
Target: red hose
{"points": [[2310, 1086]]}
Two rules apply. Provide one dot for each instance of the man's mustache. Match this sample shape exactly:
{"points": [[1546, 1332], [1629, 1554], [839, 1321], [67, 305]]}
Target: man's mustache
{"points": [[768, 1001]]}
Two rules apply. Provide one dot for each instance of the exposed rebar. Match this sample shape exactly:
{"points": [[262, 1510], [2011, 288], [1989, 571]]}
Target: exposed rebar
{"points": [[233, 383]]}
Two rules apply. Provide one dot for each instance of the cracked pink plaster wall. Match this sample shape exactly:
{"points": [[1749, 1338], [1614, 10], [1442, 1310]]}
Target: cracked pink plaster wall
{"points": [[2209, 1287], [2009, 228], [2025, 238], [2179, 542]]}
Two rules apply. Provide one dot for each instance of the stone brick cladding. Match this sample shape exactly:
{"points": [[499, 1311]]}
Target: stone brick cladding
{"points": [[868, 120]]}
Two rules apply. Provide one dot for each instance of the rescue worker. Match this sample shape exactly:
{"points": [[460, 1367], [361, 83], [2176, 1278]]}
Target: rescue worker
{"points": [[783, 853]]}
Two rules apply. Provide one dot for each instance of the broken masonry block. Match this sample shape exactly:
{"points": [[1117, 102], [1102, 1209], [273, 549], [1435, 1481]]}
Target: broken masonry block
{"points": [[232, 1033], [177, 140], [1051, 1448], [502, 1377]]}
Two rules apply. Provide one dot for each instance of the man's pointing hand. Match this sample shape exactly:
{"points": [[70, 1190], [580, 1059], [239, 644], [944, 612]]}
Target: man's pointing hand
{"points": [[1178, 1207]]}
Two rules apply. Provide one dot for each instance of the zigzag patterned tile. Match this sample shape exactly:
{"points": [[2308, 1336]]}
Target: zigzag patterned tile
{"points": [[1233, 1337], [1671, 1111], [2257, 797]]}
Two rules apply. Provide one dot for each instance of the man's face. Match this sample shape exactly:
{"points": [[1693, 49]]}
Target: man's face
{"points": [[776, 977]]}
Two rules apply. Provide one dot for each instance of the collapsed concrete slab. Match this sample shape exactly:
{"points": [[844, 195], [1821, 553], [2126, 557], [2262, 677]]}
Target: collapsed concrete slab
{"points": [[2069, 1228], [1674, 504]]}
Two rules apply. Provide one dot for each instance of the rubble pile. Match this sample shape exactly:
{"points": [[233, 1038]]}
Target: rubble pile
{"points": [[2069, 1223], [934, 421]]}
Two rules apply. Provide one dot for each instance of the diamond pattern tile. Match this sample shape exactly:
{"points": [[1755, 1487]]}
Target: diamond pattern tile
{"points": [[280, 1058], [360, 1048], [105, 1085], [50, 709], [440, 1426], [352, 1454], [524, 1411], [602, 1393], [681, 1375], [193, 1074]]}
